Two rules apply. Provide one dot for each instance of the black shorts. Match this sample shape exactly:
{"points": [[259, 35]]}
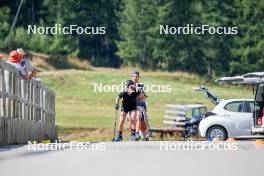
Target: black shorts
{"points": [[127, 109]]}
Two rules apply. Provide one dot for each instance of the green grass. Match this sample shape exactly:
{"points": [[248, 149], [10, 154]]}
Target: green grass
{"points": [[79, 108]]}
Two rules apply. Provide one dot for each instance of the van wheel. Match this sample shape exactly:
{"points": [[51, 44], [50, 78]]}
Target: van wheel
{"points": [[217, 132]]}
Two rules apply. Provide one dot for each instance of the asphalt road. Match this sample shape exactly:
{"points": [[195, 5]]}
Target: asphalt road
{"points": [[139, 158]]}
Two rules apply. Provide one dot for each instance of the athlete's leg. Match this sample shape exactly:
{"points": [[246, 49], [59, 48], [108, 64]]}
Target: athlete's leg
{"points": [[143, 129], [133, 120], [121, 121], [137, 125], [129, 120], [120, 126], [138, 116], [133, 125]]}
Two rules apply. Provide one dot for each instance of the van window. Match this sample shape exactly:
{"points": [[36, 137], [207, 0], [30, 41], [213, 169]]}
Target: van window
{"points": [[249, 106], [196, 112], [203, 110], [259, 93], [189, 114], [234, 106]]}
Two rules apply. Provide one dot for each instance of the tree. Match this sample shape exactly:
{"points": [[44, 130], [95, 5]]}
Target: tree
{"points": [[137, 20], [247, 52]]}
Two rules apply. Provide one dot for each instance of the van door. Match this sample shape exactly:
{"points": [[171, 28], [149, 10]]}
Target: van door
{"points": [[239, 119], [249, 108]]}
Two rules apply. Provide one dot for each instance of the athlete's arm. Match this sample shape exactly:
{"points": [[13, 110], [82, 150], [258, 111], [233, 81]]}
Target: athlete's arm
{"points": [[117, 103], [117, 100]]}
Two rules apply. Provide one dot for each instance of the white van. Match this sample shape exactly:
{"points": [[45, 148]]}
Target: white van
{"points": [[256, 79], [258, 114]]}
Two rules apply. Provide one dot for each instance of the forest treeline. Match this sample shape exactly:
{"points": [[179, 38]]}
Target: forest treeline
{"points": [[132, 33]]}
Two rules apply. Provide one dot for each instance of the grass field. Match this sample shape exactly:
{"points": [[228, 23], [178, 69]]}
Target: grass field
{"points": [[83, 114]]}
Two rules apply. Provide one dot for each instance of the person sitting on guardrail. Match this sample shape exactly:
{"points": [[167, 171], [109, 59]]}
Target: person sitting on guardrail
{"points": [[15, 58], [26, 63]]}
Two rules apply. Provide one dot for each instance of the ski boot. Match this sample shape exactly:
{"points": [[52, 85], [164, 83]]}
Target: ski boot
{"points": [[119, 138]]}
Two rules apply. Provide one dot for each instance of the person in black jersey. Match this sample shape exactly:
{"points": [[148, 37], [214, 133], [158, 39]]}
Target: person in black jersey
{"points": [[139, 88], [129, 105], [141, 109]]}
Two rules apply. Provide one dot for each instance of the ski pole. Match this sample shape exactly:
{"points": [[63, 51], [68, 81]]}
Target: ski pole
{"points": [[115, 125]]}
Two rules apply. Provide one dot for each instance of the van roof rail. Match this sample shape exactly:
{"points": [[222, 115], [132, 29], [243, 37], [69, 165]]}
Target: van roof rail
{"points": [[253, 78]]}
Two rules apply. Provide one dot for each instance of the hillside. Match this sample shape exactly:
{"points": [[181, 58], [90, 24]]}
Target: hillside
{"points": [[83, 114]]}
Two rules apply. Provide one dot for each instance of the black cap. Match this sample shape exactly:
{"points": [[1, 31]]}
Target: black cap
{"points": [[129, 83]]}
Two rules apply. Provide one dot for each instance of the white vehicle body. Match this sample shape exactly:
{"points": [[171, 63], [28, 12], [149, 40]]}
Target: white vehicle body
{"points": [[235, 116], [256, 79]]}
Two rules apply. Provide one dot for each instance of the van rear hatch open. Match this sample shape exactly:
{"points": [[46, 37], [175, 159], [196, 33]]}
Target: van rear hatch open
{"points": [[254, 79], [259, 110]]}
